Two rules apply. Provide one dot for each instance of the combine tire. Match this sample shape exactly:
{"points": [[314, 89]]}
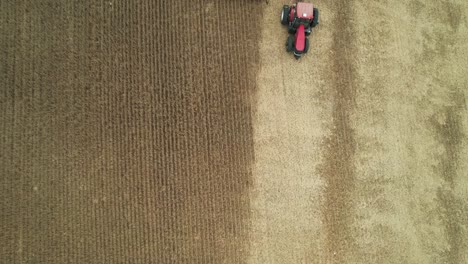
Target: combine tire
{"points": [[285, 15], [306, 46], [290, 44], [315, 20]]}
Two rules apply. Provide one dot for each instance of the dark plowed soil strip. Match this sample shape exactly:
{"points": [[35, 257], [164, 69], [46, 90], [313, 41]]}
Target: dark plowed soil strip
{"points": [[340, 146], [125, 130], [450, 135]]}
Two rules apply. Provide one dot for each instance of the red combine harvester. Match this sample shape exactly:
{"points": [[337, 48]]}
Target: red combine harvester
{"points": [[300, 19]]}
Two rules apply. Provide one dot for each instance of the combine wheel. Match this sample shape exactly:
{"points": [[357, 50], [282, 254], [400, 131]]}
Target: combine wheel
{"points": [[315, 20], [290, 44], [285, 15]]}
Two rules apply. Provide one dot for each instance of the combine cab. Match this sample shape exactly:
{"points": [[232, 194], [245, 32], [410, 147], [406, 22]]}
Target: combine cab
{"points": [[300, 19]]}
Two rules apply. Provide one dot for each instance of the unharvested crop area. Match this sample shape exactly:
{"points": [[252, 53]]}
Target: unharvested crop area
{"points": [[182, 132], [126, 130]]}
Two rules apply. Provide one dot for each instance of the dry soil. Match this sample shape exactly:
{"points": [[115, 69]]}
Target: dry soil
{"points": [[361, 146], [182, 132]]}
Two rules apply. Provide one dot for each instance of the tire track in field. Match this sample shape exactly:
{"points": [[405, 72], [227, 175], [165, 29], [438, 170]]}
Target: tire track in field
{"points": [[446, 122], [337, 169], [450, 134]]}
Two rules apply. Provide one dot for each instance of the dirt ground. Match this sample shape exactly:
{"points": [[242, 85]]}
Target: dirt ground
{"points": [[361, 146], [138, 132]]}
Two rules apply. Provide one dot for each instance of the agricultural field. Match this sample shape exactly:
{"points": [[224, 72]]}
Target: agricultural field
{"points": [[182, 132]]}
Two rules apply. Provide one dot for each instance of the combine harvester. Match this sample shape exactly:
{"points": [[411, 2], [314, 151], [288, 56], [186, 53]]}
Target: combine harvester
{"points": [[300, 19]]}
